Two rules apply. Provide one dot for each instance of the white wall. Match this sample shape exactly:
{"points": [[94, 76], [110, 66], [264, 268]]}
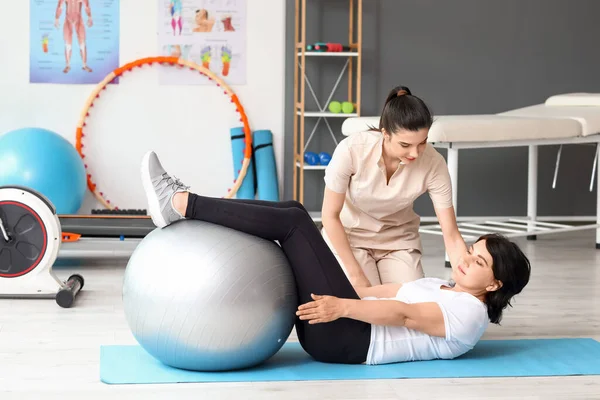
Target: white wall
{"points": [[187, 125]]}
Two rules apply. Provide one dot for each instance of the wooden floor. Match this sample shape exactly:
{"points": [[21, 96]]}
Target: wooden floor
{"points": [[51, 353]]}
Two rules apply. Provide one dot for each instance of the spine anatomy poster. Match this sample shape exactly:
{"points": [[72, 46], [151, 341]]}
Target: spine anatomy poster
{"points": [[73, 41], [211, 33]]}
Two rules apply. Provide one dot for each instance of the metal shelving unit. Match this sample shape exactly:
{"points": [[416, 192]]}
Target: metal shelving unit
{"points": [[352, 70]]}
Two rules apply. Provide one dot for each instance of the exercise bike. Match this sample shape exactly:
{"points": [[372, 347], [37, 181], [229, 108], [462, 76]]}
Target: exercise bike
{"points": [[30, 238]]}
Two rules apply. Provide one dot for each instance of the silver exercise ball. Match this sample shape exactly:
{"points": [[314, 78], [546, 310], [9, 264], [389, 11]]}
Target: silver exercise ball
{"points": [[203, 297]]}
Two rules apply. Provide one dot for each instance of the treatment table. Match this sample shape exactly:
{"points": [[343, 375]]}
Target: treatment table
{"points": [[572, 118]]}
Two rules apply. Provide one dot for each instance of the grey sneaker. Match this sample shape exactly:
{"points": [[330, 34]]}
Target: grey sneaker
{"points": [[160, 188]]}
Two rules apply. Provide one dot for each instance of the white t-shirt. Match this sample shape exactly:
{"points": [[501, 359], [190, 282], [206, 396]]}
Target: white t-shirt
{"points": [[465, 319]]}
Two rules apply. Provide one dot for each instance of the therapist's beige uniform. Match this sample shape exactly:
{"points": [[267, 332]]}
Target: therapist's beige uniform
{"points": [[378, 217]]}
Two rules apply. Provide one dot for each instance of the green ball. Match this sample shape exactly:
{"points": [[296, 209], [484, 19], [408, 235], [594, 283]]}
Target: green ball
{"points": [[335, 107], [347, 107]]}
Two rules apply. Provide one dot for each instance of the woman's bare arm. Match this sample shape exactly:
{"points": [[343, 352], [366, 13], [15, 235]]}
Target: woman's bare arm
{"points": [[386, 291], [332, 206], [423, 317], [453, 240]]}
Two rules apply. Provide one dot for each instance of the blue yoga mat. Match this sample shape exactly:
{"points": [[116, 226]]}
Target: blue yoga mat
{"points": [[247, 188], [490, 358], [266, 170]]}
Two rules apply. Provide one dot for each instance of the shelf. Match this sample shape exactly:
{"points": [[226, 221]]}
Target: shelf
{"points": [[329, 54], [313, 167], [318, 96], [326, 114]]}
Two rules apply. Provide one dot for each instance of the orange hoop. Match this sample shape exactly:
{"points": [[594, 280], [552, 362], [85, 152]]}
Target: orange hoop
{"points": [[169, 61]]}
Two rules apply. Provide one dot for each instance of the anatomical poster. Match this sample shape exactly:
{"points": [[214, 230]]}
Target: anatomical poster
{"points": [[210, 33], [73, 41]]}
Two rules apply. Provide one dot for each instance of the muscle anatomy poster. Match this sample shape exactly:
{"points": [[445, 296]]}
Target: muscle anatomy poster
{"points": [[73, 41]]}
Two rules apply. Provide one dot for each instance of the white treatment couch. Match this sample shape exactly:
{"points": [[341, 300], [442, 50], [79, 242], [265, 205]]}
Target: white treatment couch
{"points": [[563, 119]]}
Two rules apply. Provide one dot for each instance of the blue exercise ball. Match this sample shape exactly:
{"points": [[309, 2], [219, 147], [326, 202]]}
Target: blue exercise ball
{"points": [[46, 162]]}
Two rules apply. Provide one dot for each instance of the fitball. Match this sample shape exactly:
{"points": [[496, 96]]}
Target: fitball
{"points": [[46, 162], [203, 297]]}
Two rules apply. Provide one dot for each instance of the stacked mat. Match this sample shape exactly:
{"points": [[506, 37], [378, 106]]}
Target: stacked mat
{"points": [[260, 181]]}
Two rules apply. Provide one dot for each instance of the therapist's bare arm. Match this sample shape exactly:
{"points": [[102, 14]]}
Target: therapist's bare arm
{"points": [[332, 206], [385, 291], [453, 240]]}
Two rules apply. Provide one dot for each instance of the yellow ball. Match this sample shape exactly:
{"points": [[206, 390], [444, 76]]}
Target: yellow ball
{"points": [[347, 107], [335, 107]]}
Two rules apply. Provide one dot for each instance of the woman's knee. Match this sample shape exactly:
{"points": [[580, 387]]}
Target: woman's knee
{"points": [[299, 217], [296, 204]]}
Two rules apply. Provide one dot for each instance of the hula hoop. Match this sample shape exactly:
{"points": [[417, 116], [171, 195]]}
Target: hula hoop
{"points": [[175, 62]]}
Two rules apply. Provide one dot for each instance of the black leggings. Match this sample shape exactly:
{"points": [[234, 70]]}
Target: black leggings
{"points": [[315, 268]]}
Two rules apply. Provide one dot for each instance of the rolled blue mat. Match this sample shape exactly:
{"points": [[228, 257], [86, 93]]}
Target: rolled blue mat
{"points": [[266, 169], [247, 190]]}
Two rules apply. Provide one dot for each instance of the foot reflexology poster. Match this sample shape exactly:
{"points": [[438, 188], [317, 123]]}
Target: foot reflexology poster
{"points": [[73, 41], [211, 33]]}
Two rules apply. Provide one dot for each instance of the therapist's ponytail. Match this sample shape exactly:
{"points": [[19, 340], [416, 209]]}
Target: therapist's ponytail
{"points": [[403, 110]]}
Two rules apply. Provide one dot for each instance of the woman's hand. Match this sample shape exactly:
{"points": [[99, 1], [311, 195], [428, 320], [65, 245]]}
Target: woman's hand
{"points": [[322, 309]]}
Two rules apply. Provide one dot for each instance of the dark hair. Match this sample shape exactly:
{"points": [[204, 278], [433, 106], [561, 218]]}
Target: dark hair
{"points": [[511, 267], [402, 110]]}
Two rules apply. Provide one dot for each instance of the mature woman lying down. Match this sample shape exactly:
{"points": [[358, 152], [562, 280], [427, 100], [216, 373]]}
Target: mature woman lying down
{"points": [[425, 319]]}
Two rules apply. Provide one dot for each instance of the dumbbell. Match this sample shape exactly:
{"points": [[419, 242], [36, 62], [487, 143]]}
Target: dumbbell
{"points": [[312, 158]]}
